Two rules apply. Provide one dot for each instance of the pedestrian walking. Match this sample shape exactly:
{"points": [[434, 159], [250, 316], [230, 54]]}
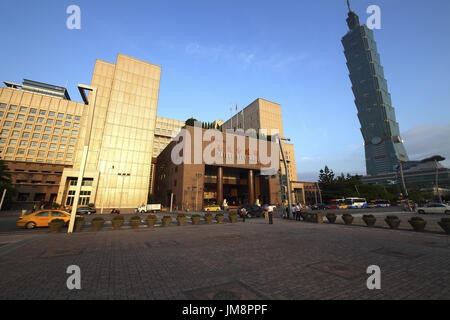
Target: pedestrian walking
{"points": [[266, 212]]}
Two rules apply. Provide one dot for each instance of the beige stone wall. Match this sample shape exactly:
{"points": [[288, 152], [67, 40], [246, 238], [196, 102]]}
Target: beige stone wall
{"points": [[123, 132]]}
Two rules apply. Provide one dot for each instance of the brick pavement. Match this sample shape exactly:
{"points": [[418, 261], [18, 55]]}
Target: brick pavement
{"points": [[251, 260]]}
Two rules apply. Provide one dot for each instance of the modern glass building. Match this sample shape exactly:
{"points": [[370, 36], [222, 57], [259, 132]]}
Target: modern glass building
{"points": [[383, 144]]}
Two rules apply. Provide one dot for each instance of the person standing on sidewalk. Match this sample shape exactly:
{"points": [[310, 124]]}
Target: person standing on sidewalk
{"points": [[270, 213]]}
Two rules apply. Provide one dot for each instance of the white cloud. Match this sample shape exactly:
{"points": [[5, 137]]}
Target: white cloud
{"points": [[428, 140]]}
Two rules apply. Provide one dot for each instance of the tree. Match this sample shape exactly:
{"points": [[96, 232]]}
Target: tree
{"points": [[5, 176], [190, 122]]}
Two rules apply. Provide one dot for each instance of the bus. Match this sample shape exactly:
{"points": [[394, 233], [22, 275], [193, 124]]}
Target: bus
{"points": [[338, 204], [356, 203]]}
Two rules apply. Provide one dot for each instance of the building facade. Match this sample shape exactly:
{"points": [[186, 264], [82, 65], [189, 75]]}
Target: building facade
{"points": [[43, 134], [382, 142], [191, 186], [266, 115]]}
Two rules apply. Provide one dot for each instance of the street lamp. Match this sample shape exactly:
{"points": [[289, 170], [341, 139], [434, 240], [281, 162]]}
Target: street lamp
{"points": [[287, 171], [404, 184], [121, 188], [87, 140]]}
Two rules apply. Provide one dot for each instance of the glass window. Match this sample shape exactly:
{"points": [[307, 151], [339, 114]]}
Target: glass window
{"points": [[69, 156], [60, 115], [76, 125], [5, 132], [74, 133], [28, 126], [41, 154], [38, 128], [43, 145], [73, 140], [1, 113], [23, 109], [31, 152], [63, 139], [58, 122], [17, 125], [15, 133], [70, 148], [30, 118], [69, 117], [65, 131], [35, 135], [10, 150], [48, 129], [40, 120], [51, 154], [42, 112], [2, 106], [23, 143], [45, 137], [56, 130], [26, 134], [2, 141], [21, 151], [77, 118], [12, 142], [67, 124], [54, 138], [52, 146], [7, 123], [33, 144], [20, 117], [33, 111], [60, 155], [42, 214], [51, 114], [13, 108], [49, 121], [62, 147]]}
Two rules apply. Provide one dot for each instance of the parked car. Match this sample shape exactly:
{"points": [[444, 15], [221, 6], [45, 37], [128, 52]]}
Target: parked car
{"points": [[332, 206], [212, 208], [434, 208], [319, 206], [86, 210], [42, 218], [252, 211]]}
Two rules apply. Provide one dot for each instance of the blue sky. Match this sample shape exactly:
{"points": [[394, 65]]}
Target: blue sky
{"points": [[218, 53]]}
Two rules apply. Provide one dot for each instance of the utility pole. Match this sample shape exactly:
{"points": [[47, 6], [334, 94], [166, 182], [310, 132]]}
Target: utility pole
{"points": [[287, 173], [404, 186], [3, 198], [91, 105]]}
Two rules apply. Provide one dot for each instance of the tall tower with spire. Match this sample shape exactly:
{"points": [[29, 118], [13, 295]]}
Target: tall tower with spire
{"points": [[382, 142]]}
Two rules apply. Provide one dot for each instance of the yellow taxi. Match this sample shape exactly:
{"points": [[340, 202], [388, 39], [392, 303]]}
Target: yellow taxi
{"points": [[42, 218], [212, 208]]}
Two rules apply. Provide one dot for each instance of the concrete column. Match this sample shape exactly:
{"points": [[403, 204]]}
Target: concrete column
{"points": [[219, 186], [251, 187]]}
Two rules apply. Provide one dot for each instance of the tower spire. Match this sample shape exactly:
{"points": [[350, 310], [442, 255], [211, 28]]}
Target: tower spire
{"points": [[353, 19]]}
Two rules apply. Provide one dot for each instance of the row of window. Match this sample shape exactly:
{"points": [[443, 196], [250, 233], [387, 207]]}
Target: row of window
{"points": [[5, 133], [40, 112], [34, 144], [30, 152], [36, 160], [18, 125], [21, 117]]}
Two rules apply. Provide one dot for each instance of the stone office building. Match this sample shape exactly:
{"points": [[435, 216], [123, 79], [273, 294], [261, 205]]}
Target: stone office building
{"points": [[192, 186], [42, 136]]}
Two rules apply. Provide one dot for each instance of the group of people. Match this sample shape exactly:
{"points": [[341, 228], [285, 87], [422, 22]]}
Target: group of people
{"points": [[297, 211]]}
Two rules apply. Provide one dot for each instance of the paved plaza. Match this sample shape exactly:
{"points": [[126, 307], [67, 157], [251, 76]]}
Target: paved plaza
{"points": [[246, 260]]}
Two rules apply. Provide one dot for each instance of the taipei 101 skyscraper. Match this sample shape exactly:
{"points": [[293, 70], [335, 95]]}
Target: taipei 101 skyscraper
{"points": [[382, 142]]}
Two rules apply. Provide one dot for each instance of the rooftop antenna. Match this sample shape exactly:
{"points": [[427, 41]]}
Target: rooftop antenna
{"points": [[348, 4]]}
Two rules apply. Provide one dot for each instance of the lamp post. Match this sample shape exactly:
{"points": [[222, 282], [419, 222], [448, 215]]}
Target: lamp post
{"points": [[121, 188], [288, 211], [436, 159], [197, 176], [404, 185], [91, 105]]}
